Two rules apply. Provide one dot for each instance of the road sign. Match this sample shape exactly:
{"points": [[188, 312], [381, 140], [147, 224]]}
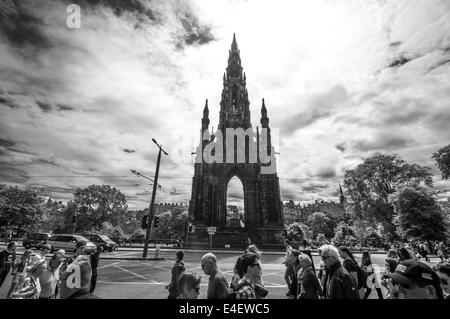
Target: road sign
{"points": [[212, 230]]}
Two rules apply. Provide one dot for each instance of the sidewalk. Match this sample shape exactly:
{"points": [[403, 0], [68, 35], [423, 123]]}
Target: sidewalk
{"points": [[129, 253]]}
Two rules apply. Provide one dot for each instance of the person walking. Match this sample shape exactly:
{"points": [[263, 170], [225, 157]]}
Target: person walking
{"points": [[260, 291], [288, 262], [443, 271], [424, 252], [56, 260], [19, 271], [304, 249], [351, 265], [95, 259], [372, 279], [29, 287], [251, 267], [47, 282], [54, 266], [189, 285], [293, 279], [338, 283], [414, 279], [217, 283], [177, 269], [7, 259], [308, 284]]}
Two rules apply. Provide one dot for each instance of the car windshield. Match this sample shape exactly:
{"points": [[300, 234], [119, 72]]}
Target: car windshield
{"points": [[80, 238]]}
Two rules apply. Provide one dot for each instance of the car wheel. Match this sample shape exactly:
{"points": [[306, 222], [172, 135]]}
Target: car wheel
{"points": [[110, 250]]}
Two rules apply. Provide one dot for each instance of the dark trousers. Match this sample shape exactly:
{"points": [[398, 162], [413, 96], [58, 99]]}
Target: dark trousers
{"points": [[93, 282], [3, 275]]}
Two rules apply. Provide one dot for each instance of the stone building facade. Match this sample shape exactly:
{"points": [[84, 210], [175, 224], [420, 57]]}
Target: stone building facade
{"points": [[262, 204]]}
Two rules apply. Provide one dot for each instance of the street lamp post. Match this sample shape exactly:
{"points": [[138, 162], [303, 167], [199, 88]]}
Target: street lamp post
{"points": [[151, 212]]}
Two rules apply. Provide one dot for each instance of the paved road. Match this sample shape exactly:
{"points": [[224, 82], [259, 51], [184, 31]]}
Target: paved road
{"points": [[121, 278]]}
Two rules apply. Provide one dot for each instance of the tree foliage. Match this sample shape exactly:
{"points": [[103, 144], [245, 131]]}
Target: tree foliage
{"points": [[370, 184], [20, 207], [97, 204], [172, 224], [295, 234], [114, 232], [442, 158], [322, 223], [419, 216], [344, 233]]}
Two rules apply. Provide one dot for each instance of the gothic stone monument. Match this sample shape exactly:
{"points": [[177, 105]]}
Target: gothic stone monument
{"points": [[220, 157]]}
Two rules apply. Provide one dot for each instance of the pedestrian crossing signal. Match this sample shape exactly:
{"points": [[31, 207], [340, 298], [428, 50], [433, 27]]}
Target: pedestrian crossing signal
{"points": [[156, 222], [144, 222]]}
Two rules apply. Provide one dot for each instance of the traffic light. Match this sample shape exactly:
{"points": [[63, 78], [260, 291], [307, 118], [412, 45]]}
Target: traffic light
{"points": [[144, 222], [190, 228], [156, 222]]}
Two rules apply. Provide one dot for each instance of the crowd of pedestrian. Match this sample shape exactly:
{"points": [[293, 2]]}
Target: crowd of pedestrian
{"points": [[339, 275], [61, 277]]}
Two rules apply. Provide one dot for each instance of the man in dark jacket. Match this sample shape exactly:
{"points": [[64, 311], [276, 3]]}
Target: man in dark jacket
{"points": [[338, 284], [7, 259], [177, 269], [95, 258]]}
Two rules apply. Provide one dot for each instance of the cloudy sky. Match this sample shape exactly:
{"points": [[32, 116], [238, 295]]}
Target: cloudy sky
{"points": [[341, 80]]}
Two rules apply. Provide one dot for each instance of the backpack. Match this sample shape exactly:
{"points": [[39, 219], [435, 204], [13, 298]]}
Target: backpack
{"points": [[362, 277]]}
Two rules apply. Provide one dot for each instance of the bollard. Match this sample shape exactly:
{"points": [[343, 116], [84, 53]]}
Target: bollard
{"points": [[157, 249]]}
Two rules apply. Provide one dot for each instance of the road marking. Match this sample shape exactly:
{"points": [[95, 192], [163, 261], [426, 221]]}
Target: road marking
{"points": [[162, 268], [130, 272], [110, 265]]}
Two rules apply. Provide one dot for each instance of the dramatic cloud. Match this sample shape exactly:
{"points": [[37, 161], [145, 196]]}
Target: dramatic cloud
{"points": [[341, 80]]}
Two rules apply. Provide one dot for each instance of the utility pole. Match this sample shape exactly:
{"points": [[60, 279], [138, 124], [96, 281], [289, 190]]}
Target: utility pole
{"points": [[151, 213]]}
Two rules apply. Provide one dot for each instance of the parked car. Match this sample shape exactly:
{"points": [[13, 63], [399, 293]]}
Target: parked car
{"points": [[35, 240], [68, 242], [102, 240]]}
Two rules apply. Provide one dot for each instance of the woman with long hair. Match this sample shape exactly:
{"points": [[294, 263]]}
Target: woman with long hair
{"points": [[308, 286], [372, 279], [351, 265]]}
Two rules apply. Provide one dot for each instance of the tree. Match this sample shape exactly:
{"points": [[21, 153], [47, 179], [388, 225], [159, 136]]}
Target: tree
{"points": [[114, 232], [163, 231], [20, 207], [344, 233], [172, 224], [97, 204], [295, 234], [370, 184], [322, 224], [52, 216], [442, 158], [419, 215]]}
